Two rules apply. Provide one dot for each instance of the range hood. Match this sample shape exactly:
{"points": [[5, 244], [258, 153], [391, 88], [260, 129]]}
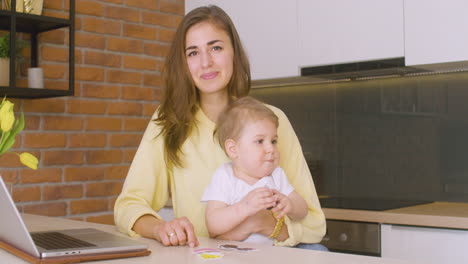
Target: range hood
{"points": [[365, 70], [359, 70]]}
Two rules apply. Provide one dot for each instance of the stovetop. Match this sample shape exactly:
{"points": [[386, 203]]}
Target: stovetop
{"points": [[373, 204]]}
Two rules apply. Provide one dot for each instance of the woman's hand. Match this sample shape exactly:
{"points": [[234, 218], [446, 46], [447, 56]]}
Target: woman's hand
{"points": [[178, 232]]}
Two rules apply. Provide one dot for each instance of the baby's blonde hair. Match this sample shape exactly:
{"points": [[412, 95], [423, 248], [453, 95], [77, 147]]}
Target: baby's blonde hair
{"points": [[237, 114]]}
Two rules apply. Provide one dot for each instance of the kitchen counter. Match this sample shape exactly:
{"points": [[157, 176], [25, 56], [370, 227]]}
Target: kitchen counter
{"points": [[436, 214], [179, 255]]}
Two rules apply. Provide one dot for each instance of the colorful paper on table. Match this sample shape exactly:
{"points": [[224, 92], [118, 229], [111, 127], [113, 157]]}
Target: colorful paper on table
{"points": [[208, 253], [204, 250], [235, 247], [211, 255]]}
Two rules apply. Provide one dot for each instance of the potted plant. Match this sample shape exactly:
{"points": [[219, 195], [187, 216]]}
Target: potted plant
{"points": [[5, 57], [4, 60]]}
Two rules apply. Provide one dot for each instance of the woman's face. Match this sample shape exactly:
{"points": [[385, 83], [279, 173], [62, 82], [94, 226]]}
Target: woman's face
{"points": [[209, 55]]}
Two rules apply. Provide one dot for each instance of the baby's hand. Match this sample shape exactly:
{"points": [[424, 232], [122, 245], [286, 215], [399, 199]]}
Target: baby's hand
{"points": [[257, 200], [283, 204]]}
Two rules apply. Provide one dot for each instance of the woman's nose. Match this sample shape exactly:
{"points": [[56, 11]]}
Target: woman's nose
{"points": [[206, 59]]}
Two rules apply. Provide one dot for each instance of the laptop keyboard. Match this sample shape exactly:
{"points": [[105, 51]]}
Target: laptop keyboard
{"points": [[56, 240]]}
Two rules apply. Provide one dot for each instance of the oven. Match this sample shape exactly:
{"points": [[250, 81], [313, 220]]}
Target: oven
{"points": [[353, 237], [358, 237]]}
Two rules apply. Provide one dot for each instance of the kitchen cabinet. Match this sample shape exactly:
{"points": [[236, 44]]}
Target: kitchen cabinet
{"points": [[281, 37], [269, 33], [435, 31], [336, 31], [429, 245], [34, 25]]}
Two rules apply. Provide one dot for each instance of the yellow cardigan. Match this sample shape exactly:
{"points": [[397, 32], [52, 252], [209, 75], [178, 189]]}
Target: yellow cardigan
{"points": [[146, 188]]}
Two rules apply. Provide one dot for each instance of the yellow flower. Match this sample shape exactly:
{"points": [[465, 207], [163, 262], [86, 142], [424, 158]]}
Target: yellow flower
{"points": [[9, 128], [29, 160], [7, 117]]}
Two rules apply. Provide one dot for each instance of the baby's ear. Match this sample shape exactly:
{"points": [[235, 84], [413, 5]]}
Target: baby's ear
{"points": [[231, 148]]}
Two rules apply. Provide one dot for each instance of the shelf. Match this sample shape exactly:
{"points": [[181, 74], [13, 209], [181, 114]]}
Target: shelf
{"points": [[35, 25], [29, 23], [32, 93]]}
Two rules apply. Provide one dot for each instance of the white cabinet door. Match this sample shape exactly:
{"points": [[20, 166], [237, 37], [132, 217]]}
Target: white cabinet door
{"points": [[436, 31], [268, 30], [337, 31], [428, 245]]}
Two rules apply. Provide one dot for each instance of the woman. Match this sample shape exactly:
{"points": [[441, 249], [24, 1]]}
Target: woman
{"points": [[205, 69]]}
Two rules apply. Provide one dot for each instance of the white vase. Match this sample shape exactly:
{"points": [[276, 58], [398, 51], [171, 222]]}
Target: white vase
{"points": [[4, 71]]}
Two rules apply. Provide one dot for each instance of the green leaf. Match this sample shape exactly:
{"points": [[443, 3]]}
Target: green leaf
{"points": [[8, 143], [9, 137], [20, 127], [3, 139], [5, 46], [6, 136]]}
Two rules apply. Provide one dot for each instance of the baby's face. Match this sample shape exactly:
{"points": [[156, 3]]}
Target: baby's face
{"points": [[257, 149]]}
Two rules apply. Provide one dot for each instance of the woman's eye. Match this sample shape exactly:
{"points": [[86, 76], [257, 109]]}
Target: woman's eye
{"points": [[260, 141], [193, 53], [274, 141], [216, 48]]}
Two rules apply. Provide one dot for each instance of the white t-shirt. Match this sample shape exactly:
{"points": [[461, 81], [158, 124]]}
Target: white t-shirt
{"points": [[229, 189]]}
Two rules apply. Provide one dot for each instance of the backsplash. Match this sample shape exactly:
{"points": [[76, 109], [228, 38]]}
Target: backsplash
{"points": [[403, 138]]}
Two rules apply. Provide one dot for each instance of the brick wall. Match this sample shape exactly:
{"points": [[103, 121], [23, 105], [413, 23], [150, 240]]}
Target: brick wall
{"points": [[86, 143]]}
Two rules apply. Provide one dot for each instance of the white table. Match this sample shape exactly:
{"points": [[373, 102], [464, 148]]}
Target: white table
{"points": [[182, 255]]}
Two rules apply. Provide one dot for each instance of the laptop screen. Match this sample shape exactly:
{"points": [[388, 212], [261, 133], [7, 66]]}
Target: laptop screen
{"points": [[14, 231]]}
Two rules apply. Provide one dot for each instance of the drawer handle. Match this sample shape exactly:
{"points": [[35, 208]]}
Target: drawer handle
{"points": [[343, 237]]}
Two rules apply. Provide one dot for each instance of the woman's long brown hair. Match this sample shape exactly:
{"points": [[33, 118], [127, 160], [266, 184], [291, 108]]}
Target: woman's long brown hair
{"points": [[176, 114]]}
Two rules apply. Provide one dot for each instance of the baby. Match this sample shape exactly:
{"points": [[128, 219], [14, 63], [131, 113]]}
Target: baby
{"points": [[252, 181]]}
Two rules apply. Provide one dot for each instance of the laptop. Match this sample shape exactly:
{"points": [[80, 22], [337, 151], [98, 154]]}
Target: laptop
{"points": [[61, 243]]}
